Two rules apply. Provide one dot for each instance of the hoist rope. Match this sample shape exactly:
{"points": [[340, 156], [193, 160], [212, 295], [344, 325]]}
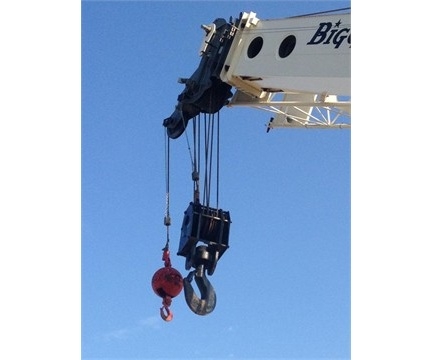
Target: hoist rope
{"points": [[194, 135], [167, 220], [196, 162], [207, 141], [210, 130], [217, 161], [189, 149], [207, 160]]}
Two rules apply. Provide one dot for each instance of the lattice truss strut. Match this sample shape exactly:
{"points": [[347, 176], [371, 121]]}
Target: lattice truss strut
{"points": [[295, 110]]}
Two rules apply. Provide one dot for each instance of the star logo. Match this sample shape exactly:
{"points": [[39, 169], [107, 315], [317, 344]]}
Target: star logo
{"points": [[337, 24]]}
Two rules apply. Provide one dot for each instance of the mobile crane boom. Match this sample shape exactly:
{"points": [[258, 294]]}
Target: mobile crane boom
{"points": [[298, 68]]}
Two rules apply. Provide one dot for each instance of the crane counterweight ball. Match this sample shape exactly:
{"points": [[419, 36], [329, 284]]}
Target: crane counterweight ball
{"points": [[167, 281]]}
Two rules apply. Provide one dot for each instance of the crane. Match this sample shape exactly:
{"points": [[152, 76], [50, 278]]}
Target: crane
{"points": [[295, 68]]}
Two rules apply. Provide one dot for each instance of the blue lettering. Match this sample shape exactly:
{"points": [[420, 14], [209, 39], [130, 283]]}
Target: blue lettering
{"points": [[326, 35], [321, 33]]}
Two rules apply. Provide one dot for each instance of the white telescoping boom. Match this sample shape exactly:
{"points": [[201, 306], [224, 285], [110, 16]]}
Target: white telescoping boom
{"points": [[297, 68]]}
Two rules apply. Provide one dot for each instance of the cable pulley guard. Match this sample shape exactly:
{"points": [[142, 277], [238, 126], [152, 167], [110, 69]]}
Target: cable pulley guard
{"points": [[206, 225]]}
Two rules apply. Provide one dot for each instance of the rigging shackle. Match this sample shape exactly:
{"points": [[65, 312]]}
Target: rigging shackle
{"points": [[206, 304]]}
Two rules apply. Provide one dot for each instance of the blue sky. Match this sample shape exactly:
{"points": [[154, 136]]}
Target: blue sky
{"points": [[82, 194], [283, 286]]}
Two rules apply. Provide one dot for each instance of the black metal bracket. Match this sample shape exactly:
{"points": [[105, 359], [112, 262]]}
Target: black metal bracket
{"points": [[204, 91]]}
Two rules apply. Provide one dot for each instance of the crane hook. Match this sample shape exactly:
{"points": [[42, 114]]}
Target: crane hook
{"points": [[206, 304], [165, 313]]}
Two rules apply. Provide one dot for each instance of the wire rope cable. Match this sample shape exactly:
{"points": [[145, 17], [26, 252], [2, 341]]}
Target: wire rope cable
{"points": [[167, 220]]}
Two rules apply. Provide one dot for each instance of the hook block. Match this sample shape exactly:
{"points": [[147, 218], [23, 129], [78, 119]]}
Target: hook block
{"points": [[207, 225]]}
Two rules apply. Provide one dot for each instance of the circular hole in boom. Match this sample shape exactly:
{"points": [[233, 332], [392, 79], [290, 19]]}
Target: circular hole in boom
{"points": [[255, 47], [287, 46]]}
